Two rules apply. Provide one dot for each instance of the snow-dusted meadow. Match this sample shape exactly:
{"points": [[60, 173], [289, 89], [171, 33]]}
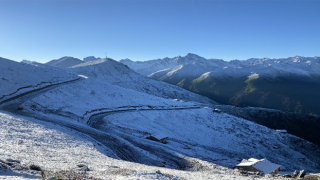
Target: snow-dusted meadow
{"points": [[217, 137], [55, 148]]}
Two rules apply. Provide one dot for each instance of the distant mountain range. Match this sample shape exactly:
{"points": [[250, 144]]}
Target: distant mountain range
{"points": [[289, 84]]}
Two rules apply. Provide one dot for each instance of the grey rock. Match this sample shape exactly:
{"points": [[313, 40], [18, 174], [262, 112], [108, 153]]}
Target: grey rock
{"points": [[35, 167], [301, 174], [82, 167], [3, 167]]}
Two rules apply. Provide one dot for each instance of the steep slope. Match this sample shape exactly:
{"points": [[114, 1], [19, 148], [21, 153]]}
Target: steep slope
{"points": [[64, 62], [289, 84], [193, 131], [118, 74], [148, 67], [304, 126], [17, 78]]}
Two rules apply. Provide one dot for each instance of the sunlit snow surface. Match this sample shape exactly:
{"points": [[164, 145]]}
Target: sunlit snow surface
{"points": [[16, 78], [53, 147]]}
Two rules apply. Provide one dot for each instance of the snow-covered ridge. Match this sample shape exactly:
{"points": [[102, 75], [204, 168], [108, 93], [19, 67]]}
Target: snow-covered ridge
{"points": [[116, 73], [17, 78], [64, 62], [293, 65]]}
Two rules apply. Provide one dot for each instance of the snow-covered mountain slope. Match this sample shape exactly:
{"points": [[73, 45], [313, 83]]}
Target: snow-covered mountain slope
{"points": [[55, 148], [64, 62], [118, 74], [192, 130], [217, 137], [289, 84], [308, 125], [89, 94], [116, 109], [17, 78]]}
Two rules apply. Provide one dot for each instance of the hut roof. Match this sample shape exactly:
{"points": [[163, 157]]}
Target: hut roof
{"points": [[262, 165]]}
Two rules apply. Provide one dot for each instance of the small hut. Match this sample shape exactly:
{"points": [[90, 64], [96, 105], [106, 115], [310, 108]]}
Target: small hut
{"points": [[262, 165]]}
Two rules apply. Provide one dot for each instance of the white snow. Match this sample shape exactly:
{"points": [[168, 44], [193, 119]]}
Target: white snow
{"points": [[16, 78], [56, 148], [208, 144], [118, 74], [298, 65], [262, 165]]}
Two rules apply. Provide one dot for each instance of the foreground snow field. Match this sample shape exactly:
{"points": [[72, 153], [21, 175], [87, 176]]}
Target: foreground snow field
{"points": [[55, 148]]}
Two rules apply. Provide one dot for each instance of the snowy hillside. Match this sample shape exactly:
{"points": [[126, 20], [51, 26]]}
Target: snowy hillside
{"points": [[111, 119], [288, 84], [132, 115], [89, 94], [17, 78], [120, 75], [56, 148], [193, 131]]}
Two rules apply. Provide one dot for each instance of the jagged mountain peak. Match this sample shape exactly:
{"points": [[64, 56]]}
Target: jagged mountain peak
{"points": [[192, 55]]}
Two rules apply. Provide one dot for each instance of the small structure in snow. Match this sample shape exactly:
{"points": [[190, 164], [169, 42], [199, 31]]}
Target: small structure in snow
{"points": [[256, 165], [158, 137], [217, 110], [282, 131]]}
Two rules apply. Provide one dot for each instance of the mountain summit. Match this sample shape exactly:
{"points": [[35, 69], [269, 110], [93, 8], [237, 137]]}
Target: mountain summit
{"points": [[64, 62]]}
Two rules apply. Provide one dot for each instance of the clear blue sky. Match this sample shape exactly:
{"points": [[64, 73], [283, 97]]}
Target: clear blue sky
{"points": [[42, 30]]}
